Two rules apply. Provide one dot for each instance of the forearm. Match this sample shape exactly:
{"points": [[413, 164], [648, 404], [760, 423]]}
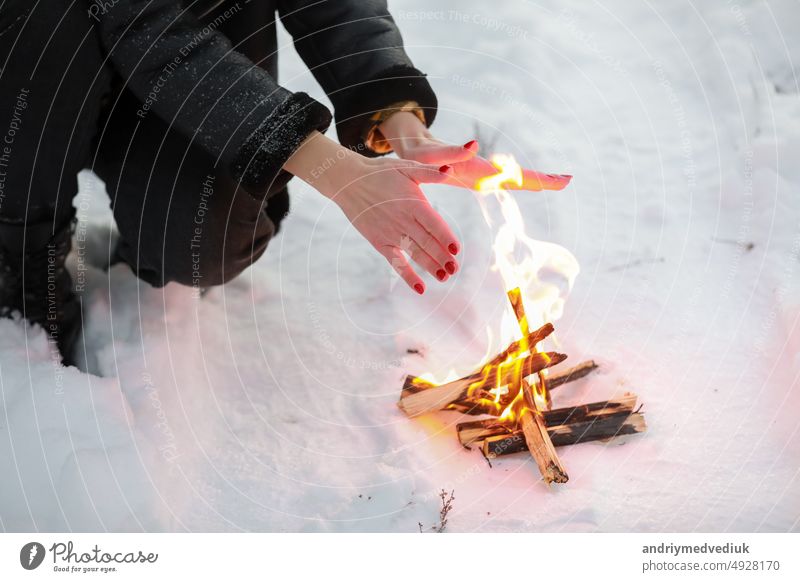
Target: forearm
{"points": [[230, 107]]}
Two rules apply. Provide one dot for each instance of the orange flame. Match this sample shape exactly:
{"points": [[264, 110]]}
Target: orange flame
{"points": [[544, 299], [530, 265]]}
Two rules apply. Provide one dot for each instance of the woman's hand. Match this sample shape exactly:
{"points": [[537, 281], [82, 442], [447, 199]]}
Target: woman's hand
{"points": [[383, 201], [411, 140]]}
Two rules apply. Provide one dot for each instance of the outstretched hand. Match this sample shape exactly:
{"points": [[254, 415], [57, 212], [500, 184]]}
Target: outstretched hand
{"points": [[383, 201], [468, 167], [412, 141]]}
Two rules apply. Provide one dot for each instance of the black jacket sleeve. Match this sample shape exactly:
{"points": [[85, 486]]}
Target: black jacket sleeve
{"points": [[188, 75], [355, 51]]}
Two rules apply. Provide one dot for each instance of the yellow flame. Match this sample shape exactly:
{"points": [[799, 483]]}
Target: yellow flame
{"points": [[521, 260], [524, 262]]}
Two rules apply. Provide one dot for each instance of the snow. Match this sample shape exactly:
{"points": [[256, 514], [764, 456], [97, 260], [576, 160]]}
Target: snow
{"points": [[269, 404]]}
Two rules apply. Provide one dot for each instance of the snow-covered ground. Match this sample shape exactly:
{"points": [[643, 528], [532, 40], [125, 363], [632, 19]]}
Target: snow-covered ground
{"points": [[270, 404]]}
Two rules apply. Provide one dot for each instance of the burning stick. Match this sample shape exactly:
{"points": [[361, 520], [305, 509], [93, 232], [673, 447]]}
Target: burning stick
{"points": [[596, 412], [604, 427], [483, 402], [531, 419], [515, 297], [438, 397], [529, 339], [538, 441], [571, 374], [479, 400]]}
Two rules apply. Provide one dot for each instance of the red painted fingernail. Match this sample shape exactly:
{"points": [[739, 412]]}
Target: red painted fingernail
{"points": [[419, 288], [471, 145], [446, 168], [452, 248], [440, 274], [450, 266]]}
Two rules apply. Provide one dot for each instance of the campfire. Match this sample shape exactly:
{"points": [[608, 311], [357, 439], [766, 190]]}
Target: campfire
{"points": [[513, 388]]}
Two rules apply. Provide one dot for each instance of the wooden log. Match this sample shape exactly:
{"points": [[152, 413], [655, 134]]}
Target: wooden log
{"points": [[571, 374], [478, 430], [437, 397], [601, 428], [538, 441], [531, 339], [482, 402], [485, 403], [479, 403], [531, 419], [414, 384], [515, 297]]}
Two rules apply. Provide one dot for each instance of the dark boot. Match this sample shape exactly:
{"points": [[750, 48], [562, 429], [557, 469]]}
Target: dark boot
{"points": [[35, 283]]}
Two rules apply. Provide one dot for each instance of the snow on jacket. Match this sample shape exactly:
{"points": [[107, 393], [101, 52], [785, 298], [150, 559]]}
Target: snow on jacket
{"points": [[236, 110]]}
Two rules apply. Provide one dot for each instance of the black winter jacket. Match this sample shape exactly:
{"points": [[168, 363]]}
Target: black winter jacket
{"points": [[234, 108]]}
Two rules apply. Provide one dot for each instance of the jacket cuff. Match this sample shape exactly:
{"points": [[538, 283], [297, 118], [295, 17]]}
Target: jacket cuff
{"points": [[356, 105], [259, 162]]}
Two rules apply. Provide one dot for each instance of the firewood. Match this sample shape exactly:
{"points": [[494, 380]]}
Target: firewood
{"points": [[484, 402], [481, 401], [539, 444], [531, 420], [414, 384], [601, 428], [531, 339], [478, 430], [571, 374], [515, 297], [437, 397]]}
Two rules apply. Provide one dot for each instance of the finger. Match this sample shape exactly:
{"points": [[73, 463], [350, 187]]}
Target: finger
{"points": [[434, 224], [447, 154], [428, 173], [433, 248], [401, 266], [424, 260], [532, 180]]}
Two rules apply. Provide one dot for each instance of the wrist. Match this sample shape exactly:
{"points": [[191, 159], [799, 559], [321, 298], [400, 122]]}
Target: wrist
{"points": [[324, 164], [340, 171]]}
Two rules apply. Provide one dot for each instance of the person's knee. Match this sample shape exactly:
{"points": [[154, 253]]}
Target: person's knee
{"points": [[224, 258], [205, 261], [197, 254], [205, 234]]}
